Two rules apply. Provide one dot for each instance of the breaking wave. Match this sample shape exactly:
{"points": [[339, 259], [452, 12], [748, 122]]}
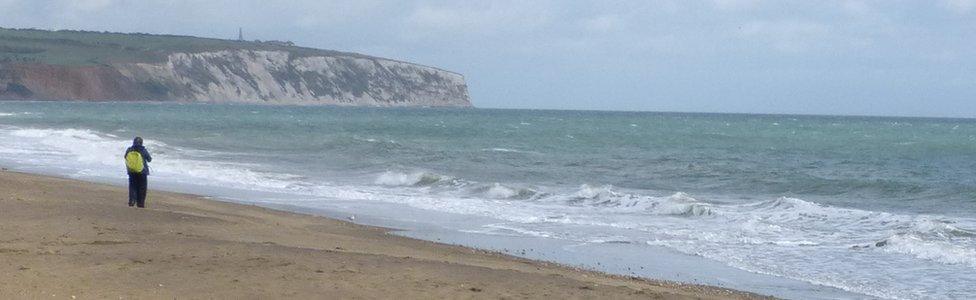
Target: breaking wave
{"points": [[934, 240], [678, 204], [10, 114], [392, 178], [91, 153]]}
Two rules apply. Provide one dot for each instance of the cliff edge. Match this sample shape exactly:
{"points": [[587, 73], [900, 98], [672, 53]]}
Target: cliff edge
{"points": [[94, 66]]}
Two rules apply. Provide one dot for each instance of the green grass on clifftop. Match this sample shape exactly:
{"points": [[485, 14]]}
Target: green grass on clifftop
{"points": [[70, 47]]}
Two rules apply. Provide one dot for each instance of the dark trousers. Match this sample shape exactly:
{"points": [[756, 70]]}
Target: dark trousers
{"points": [[137, 189]]}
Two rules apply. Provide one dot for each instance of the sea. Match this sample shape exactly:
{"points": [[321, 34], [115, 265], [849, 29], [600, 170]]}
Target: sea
{"points": [[794, 206]]}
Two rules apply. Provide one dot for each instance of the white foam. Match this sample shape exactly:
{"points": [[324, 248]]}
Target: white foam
{"points": [[602, 193], [940, 251], [370, 140], [90, 153], [678, 204], [393, 178], [501, 150], [494, 228], [498, 191], [10, 114], [684, 209]]}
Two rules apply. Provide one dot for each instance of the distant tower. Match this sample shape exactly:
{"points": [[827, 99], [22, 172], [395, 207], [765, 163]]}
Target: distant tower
{"points": [[240, 34]]}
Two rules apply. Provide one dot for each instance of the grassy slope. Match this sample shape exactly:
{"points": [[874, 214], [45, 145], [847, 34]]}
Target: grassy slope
{"points": [[95, 48]]}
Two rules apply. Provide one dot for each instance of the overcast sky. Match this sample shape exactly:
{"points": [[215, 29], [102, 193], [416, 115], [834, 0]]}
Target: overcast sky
{"points": [[893, 57]]}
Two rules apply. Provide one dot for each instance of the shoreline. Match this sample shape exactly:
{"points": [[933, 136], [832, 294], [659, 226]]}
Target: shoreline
{"points": [[67, 237]]}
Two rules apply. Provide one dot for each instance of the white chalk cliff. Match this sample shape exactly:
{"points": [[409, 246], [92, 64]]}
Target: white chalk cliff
{"points": [[279, 77]]}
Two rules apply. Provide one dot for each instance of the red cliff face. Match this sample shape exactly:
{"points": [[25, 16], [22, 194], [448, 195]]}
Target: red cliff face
{"points": [[54, 82]]}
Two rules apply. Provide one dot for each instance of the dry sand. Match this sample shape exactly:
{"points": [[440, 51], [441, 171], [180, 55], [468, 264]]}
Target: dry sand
{"points": [[67, 239]]}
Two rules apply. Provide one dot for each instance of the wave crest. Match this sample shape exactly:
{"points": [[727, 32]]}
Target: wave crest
{"points": [[943, 251], [678, 204], [392, 178]]}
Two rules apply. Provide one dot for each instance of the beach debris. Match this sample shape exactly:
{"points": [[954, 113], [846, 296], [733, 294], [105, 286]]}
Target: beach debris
{"points": [[878, 244], [476, 290]]}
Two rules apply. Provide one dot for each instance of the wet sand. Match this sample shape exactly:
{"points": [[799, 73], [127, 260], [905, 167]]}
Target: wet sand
{"points": [[68, 239]]}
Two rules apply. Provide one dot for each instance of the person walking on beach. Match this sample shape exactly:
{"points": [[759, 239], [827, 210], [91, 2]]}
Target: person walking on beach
{"points": [[136, 159]]}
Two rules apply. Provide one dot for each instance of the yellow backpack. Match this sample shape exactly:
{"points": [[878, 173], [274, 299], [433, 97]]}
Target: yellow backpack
{"points": [[134, 162]]}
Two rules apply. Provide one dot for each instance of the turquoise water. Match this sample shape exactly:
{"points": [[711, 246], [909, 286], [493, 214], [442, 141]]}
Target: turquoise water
{"points": [[883, 207]]}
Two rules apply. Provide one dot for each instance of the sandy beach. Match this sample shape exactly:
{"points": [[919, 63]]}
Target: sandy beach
{"points": [[67, 239]]}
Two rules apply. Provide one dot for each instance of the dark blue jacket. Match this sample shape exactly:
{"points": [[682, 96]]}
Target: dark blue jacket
{"points": [[146, 158]]}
